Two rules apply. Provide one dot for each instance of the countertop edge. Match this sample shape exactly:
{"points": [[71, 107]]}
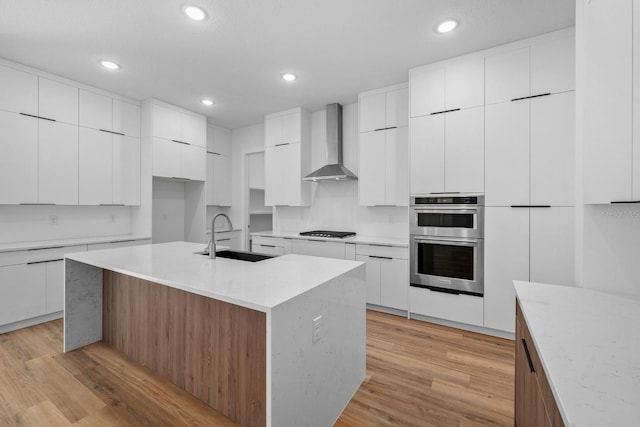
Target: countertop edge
{"points": [[43, 244], [363, 240]]}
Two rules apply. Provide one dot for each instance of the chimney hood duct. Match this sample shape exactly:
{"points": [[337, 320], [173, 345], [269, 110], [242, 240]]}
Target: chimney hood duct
{"points": [[334, 170]]}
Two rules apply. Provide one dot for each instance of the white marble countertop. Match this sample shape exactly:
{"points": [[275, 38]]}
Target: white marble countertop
{"points": [[589, 346], [21, 246], [365, 240], [257, 285]]}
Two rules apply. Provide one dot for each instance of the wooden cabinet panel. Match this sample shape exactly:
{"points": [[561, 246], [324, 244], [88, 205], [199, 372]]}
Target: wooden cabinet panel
{"points": [[507, 76], [552, 245], [58, 163], [19, 159], [464, 151], [427, 89], [427, 154], [507, 154], [57, 101], [372, 170], [553, 66], [23, 290], [18, 91], [126, 118], [506, 258], [95, 167], [553, 150], [95, 110], [126, 170]]}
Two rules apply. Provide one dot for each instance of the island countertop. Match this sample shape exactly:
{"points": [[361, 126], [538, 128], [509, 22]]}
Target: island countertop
{"points": [[588, 343], [259, 285]]}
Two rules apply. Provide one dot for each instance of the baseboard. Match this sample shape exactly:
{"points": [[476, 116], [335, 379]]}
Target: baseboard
{"points": [[464, 326], [31, 322]]}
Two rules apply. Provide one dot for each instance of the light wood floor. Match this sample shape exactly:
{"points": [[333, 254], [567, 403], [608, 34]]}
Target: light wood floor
{"points": [[418, 374]]}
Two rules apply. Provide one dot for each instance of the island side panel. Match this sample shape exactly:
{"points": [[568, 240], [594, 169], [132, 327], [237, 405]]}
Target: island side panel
{"points": [[311, 383], [82, 304], [212, 349]]}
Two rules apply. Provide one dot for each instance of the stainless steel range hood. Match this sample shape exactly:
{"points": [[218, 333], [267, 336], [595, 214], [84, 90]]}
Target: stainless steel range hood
{"points": [[334, 170]]}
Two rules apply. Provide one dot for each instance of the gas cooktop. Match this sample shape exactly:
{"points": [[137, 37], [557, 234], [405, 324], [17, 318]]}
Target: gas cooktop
{"points": [[330, 234]]}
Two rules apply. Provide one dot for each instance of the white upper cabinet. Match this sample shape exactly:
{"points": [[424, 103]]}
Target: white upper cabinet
{"points": [[611, 101], [552, 150], [553, 66], [126, 118], [18, 91], [284, 127], [219, 140], [96, 167], [383, 109], [552, 246], [193, 163], [396, 168], [57, 101], [372, 170], [96, 111], [447, 85], [57, 163], [167, 158], [19, 159], [179, 126], [427, 154], [507, 154], [507, 76], [464, 151], [126, 170]]}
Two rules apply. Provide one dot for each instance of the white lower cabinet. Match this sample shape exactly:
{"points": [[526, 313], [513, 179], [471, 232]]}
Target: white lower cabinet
{"points": [[528, 244], [270, 245], [23, 288], [267, 249], [457, 308], [319, 248], [55, 286], [387, 275], [230, 239]]}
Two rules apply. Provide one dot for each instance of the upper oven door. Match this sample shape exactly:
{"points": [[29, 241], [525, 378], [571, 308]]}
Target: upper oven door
{"points": [[447, 221]]}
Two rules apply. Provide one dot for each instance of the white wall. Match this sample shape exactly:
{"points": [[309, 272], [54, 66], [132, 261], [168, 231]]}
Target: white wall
{"points": [[335, 205], [36, 223]]}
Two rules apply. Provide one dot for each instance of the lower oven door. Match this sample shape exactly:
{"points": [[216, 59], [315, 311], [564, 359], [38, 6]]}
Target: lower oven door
{"points": [[447, 264]]}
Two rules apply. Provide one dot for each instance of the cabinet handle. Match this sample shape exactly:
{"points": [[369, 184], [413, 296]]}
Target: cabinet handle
{"points": [[49, 247], [445, 111], [37, 117], [446, 192], [223, 240], [526, 352], [37, 204], [42, 262], [213, 152], [110, 131], [122, 241], [284, 143], [617, 202], [531, 96], [390, 127], [111, 204], [380, 257], [531, 206], [180, 142]]}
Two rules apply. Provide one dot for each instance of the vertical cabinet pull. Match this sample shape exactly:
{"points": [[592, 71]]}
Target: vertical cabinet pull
{"points": [[526, 352]]}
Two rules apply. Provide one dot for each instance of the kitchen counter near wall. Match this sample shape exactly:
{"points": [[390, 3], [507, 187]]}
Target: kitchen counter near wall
{"points": [[365, 240], [42, 244]]}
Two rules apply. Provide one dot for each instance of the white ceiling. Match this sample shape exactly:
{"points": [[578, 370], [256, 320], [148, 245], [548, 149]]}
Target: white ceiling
{"points": [[337, 47]]}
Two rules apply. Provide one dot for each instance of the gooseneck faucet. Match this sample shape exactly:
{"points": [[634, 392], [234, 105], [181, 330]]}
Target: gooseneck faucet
{"points": [[212, 242]]}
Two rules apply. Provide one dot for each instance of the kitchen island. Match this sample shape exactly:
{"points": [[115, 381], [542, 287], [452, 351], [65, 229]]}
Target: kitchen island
{"points": [[276, 342]]}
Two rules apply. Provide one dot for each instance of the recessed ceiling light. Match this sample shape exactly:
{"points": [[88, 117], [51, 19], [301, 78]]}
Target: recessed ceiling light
{"points": [[447, 26], [109, 65], [289, 77], [194, 12], [207, 102]]}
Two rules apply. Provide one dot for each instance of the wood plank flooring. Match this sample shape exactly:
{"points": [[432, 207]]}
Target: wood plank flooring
{"points": [[418, 374]]}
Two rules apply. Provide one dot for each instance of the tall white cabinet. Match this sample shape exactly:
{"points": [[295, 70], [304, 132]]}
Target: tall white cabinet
{"points": [[218, 166], [384, 147], [287, 158]]}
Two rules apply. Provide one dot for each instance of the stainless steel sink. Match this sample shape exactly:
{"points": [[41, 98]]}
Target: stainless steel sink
{"points": [[238, 255]]}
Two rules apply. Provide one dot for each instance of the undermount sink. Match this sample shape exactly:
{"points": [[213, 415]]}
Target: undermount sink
{"points": [[238, 255]]}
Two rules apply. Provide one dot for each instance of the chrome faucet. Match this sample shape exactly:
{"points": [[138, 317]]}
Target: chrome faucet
{"points": [[212, 242]]}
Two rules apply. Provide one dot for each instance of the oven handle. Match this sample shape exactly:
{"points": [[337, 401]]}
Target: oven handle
{"points": [[445, 211], [453, 240]]}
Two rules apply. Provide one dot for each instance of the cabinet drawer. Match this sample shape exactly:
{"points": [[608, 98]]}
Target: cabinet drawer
{"points": [[319, 248], [268, 241], [22, 292], [382, 251], [38, 255], [458, 308], [268, 250]]}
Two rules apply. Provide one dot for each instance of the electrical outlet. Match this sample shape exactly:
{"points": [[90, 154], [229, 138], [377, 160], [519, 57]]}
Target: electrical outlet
{"points": [[112, 217], [53, 219], [316, 329]]}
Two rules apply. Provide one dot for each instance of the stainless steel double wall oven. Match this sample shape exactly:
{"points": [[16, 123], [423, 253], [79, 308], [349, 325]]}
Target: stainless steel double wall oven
{"points": [[447, 243]]}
